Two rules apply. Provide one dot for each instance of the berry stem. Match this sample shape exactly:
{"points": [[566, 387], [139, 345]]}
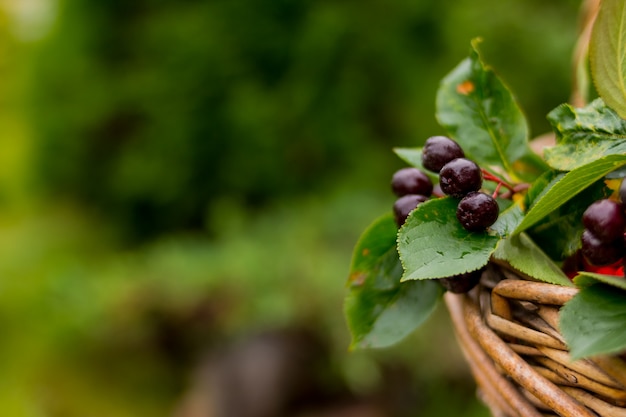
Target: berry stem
{"points": [[497, 190], [488, 176], [516, 189]]}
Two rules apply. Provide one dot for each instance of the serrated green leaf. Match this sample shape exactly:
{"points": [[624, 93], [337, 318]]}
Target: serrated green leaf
{"points": [[379, 309], [523, 254], [607, 50], [481, 114], [510, 217], [585, 279], [562, 189], [594, 321], [433, 244], [541, 186], [585, 135], [560, 231]]}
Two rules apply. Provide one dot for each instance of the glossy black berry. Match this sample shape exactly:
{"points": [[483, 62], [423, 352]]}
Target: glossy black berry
{"points": [[411, 181], [438, 151], [605, 219], [477, 211], [462, 283], [404, 205], [459, 177], [598, 252]]}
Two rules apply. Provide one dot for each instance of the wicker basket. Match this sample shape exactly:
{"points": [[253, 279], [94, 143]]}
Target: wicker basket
{"points": [[507, 328]]}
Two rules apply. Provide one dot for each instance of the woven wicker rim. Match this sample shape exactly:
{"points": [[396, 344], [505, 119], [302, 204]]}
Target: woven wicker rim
{"points": [[507, 328]]}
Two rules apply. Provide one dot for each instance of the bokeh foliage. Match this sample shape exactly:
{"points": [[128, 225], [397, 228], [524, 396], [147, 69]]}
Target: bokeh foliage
{"points": [[153, 110]]}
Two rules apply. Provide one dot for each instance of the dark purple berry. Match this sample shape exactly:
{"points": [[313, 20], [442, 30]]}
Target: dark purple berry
{"points": [[477, 211], [598, 252], [605, 219], [462, 283], [459, 177], [404, 205], [411, 181], [438, 151]]}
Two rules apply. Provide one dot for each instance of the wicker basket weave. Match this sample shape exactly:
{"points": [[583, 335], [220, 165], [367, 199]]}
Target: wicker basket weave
{"points": [[507, 328]]}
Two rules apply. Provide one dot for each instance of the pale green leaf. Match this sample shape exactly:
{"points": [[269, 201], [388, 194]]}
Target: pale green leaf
{"points": [[524, 255], [585, 135], [585, 279], [607, 53]]}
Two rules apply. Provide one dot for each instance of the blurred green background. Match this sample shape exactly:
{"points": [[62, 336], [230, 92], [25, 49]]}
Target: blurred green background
{"points": [[182, 182]]}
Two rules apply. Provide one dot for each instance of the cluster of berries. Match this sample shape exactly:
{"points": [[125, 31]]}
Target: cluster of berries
{"points": [[413, 187], [602, 241], [461, 178], [458, 177]]}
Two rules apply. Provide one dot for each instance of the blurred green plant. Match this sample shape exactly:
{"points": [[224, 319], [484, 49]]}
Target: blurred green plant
{"points": [[151, 111], [90, 329]]}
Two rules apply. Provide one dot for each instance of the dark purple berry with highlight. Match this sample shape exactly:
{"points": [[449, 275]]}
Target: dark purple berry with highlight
{"points": [[477, 211], [460, 177], [411, 181], [605, 219], [404, 205], [438, 151], [600, 253]]}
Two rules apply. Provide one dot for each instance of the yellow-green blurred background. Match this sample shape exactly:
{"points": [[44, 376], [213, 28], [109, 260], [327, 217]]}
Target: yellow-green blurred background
{"points": [[182, 182]]}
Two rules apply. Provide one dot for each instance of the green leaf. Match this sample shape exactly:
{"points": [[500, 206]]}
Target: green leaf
{"points": [[585, 279], [379, 309], [374, 245], [585, 135], [559, 232], [433, 244], [594, 321], [523, 254], [563, 188], [413, 157], [510, 217], [607, 49], [481, 114]]}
